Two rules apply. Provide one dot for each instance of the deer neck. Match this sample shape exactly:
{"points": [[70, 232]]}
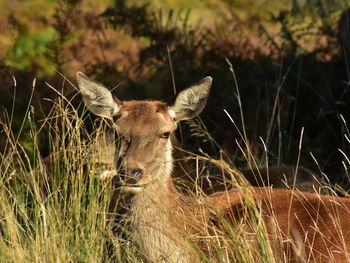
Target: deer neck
{"points": [[155, 226], [160, 195], [154, 211]]}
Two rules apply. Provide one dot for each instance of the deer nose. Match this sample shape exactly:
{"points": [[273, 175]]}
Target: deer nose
{"points": [[134, 176], [130, 176], [136, 172]]}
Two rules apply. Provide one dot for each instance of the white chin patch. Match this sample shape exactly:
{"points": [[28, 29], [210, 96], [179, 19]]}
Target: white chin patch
{"points": [[132, 189]]}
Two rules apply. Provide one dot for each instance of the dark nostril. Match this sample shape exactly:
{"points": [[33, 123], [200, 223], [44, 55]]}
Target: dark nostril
{"points": [[130, 176], [136, 172]]}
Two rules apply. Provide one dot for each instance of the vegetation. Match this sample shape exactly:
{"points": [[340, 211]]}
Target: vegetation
{"points": [[275, 73]]}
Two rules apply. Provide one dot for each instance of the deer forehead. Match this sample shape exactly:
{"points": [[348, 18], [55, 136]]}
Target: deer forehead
{"points": [[144, 118]]}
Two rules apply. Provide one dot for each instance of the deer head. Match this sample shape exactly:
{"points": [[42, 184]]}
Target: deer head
{"points": [[144, 128]]}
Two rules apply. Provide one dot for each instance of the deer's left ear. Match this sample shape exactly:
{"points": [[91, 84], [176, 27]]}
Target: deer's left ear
{"points": [[191, 101]]}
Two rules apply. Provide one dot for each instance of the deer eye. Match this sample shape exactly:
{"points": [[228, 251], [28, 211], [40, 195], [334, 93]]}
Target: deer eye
{"points": [[165, 135]]}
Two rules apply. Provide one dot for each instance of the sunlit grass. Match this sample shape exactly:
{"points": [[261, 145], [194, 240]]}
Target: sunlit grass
{"points": [[55, 211]]}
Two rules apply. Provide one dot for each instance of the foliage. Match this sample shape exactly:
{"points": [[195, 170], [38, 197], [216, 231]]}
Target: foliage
{"points": [[31, 35], [29, 49]]}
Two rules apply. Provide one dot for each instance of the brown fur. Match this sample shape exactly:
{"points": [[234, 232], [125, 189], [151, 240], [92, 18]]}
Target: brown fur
{"points": [[143, 118], [319, 223]]}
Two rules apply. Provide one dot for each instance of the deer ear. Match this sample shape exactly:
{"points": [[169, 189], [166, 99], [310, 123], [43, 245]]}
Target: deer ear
{"points": [[98, 99], [191, 101]]}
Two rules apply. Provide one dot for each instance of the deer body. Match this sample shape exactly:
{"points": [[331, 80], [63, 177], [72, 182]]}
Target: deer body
{"points": [[317, 225], [165, 223]]}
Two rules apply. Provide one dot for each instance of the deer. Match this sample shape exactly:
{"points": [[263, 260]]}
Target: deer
{"points": [[165, 223]]}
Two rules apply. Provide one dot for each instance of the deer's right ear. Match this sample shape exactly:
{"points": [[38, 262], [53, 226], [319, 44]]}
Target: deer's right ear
{"points": [[98, 99], [191, 101]]}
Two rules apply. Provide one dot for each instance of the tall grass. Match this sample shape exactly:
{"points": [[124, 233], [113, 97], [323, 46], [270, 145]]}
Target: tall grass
{"points": [[56, 209]]}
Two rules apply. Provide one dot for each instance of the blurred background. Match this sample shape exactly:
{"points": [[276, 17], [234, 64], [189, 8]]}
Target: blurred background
{"points": [[287, 61]]}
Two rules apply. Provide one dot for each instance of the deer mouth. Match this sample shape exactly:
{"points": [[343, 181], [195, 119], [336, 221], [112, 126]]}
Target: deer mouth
{"points": [[129, 182], [131, 186], [134, 189]]}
